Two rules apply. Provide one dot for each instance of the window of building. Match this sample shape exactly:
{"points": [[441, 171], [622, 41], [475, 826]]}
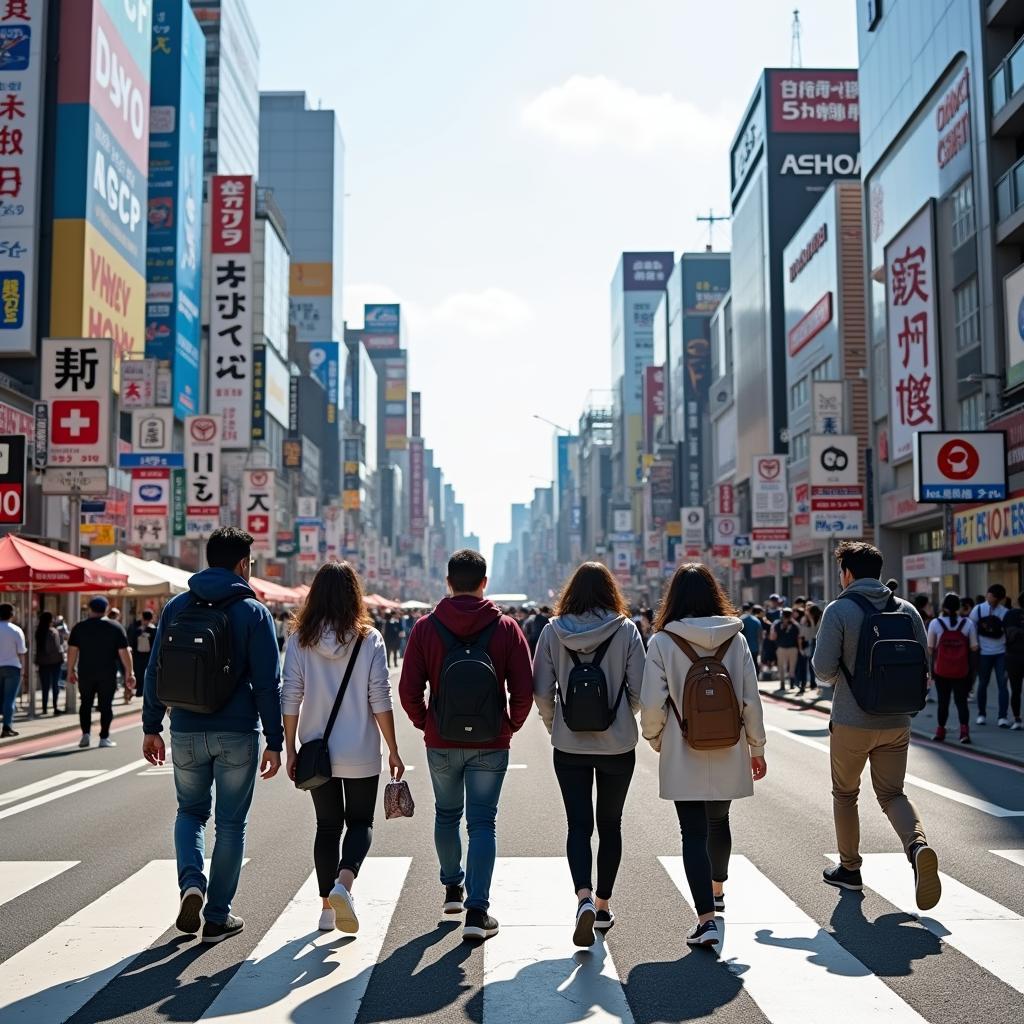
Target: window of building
{"points": [[799, 446], [798, 394], [966, 315], [825, 370], [972, 412], [961, 208]]}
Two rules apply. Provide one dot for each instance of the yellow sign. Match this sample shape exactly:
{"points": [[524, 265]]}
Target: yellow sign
{"points": [[985, 531], [311, 279], [100, 534], [395, 391], [396, 443], [674, 529], [350, 501]]}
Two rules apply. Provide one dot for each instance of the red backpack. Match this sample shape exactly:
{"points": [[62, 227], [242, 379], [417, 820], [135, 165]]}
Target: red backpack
{"points": [[953, 652]]}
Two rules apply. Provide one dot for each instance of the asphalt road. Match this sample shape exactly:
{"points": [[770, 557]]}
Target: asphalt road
{"points": [[87, 901]]}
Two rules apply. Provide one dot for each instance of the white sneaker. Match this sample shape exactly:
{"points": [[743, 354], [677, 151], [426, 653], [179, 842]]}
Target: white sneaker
{"points": [[1003, 723], [344, 907], [106, 741], [85, 740], [326, 920], [980, 720], [1017, 726]]}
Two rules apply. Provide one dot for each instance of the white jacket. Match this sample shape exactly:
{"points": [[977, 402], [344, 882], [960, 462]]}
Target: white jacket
{"points": [[685, 773], [312, 676]]}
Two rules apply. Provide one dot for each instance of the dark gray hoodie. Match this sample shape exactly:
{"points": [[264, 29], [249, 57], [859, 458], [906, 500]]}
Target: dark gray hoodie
{"points": [[838, 637]]}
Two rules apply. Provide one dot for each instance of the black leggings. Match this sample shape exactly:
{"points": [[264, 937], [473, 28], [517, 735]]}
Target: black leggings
{"points": [[1015, 673], [49, 682], [103, 691], [959, 690], [342, 804], [575, 774], [707, 844]]}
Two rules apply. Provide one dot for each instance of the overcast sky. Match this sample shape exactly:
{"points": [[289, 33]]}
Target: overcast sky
{"points": [[499, 157]]}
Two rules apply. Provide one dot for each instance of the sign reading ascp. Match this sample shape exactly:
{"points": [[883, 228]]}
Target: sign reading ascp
{"points": [[965, 466]]}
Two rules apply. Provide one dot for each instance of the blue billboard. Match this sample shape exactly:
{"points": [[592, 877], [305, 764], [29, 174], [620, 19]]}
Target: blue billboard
{"points": [[175, 201]]}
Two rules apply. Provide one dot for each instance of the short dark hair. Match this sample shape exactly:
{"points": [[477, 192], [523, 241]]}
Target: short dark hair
{"points": [[227, 546], [860, 558], [147, 614], [467, 569], [6, 611], [997, 590]]}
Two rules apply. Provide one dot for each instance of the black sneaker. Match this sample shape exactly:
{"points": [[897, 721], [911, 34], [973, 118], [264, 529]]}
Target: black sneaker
{"points": [[843, 879], [216, 932], [604, 922], [586, 917], [720, 904], [188, 913], [479, 925], [7, 733], [454, 896], [705, 934], [927, 884]]}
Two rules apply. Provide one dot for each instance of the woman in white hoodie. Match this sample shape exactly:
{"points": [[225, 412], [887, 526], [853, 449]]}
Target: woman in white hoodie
{"points": [[701, 783], [331, 626], [592, 624]]}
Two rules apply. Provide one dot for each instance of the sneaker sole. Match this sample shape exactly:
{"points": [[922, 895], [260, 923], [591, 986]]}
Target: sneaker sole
{"points": [[849, 886], [453, 908], [211, 940], [704, 940], [719, 908], [345, 919], [189, 920], [584, 934], [479, 934], [603, 926], [929, 886]]}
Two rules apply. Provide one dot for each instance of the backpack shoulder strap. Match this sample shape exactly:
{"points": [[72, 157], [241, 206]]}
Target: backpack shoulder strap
{"points": [[684, 645], [861, 602], [720, 653], [483, 639], [601, 651], [448, 638], [944, 627]]}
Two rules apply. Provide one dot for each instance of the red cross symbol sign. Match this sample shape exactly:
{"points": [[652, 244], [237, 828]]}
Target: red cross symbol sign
{"points": [[75, 421]]}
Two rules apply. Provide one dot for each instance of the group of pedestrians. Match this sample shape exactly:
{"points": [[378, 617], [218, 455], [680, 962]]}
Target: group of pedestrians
{"points": [[469, 684], [781, 640]]}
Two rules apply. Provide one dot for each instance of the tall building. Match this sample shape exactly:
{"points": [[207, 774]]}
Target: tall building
{"points": [[232, 121], [302, 156]]}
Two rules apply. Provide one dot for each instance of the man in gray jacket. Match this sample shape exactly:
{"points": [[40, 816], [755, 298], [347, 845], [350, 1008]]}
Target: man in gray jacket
{"points": [[857, 737]]}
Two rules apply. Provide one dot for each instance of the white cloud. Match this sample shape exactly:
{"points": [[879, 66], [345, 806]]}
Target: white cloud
{"points": [[592, 111], [490, 312]]}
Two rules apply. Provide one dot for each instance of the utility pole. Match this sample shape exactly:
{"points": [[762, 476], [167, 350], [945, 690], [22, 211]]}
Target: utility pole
{"points": [[75, 546], [711, 220], [796, 58]]}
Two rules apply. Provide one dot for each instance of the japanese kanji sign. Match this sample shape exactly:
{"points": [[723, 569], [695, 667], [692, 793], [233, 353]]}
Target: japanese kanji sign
{"points": [[913, 333], [231, 307], [202, 475], [22, 51], [152, 429], [837, 497], [76, 385], [150, 506], [815, 101], [258, 505], [138, 383]]}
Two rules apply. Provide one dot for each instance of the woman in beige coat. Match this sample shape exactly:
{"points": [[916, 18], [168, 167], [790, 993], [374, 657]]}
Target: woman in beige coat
{"points": [[701, 782]]}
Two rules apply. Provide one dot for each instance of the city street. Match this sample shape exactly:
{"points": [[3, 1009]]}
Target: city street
{"points": [[88, 898]]}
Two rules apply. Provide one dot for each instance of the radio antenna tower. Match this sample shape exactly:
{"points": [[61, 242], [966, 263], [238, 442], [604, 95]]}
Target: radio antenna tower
{"points": [[711, 219], [796, 59]]}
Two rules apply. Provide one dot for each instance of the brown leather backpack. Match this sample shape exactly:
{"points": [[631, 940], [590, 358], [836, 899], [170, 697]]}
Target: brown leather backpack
{"points": [[711, 718]]}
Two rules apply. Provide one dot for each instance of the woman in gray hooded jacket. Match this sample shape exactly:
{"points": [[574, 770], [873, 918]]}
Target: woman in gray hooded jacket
{"points": [[592, 622]]}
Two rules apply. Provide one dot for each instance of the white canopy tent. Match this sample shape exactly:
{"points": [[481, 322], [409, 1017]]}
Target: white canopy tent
{"points": [[146, 578]]}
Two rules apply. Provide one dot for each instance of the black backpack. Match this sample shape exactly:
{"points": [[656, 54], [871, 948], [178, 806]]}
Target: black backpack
{"points": [[194, 663], [990, 626], [891, 673], [585, 697], [469, 703]]}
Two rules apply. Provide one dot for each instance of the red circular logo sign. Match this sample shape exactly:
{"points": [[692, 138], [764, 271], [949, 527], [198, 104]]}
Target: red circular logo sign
{"points": [[258, 478], [770, 468], [203, 429], [958, 460]]}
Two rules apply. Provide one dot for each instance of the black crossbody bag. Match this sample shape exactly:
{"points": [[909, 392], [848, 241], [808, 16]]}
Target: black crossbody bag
{"points": [[313, 762]]}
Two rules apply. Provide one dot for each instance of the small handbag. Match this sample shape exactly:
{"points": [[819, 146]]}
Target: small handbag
{"points": [[398, 802], [313, 762]]}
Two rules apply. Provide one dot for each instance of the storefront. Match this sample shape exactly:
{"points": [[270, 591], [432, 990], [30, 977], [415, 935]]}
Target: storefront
{"points": [[988, 540]]}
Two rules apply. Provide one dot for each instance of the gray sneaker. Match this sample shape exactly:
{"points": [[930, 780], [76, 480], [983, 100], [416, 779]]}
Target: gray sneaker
{"points": [[106, 741], [85, 740], [217, 932]]}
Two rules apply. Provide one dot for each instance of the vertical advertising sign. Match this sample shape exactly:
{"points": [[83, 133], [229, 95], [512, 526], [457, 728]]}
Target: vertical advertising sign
{"points": [[654, 405], [310, 300], [202, 481], [75, 386], [417, 516], [323, 365], [22, 50], [769, 499], [828, 406], [150, 506], [309, 544], [396, 405], [382, 326], [175, 198], [837, 498], [693, 532], [258, 505], [232, 210], [913, 331], [13, 469]]}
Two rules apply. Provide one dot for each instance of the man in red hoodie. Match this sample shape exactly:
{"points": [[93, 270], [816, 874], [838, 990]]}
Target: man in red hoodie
{"points": [[459, 646]]}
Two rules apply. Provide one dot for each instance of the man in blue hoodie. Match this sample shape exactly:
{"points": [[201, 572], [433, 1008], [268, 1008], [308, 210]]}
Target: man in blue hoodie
{"points": [[222, 749]]}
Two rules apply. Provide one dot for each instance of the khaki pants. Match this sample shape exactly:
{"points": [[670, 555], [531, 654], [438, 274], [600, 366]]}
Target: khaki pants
{"points": [[787, 663], [886, 750]]}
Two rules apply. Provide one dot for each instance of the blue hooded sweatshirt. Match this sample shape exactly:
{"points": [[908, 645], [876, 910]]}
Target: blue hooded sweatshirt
{"points": [[256, 667]]}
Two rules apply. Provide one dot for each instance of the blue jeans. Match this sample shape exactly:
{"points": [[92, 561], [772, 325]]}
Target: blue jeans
{"points": [[986, 663], [10, 684], [201, 761], [473, 778]]}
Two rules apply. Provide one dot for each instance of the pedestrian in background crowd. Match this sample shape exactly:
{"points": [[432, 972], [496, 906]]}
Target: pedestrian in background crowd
{"points": [[49, 657], [1014, 626], [392, 638], [953, 656], [140, 639], [987, 616], [753, 629], [13, 665], [923, 604], [786, 634]]}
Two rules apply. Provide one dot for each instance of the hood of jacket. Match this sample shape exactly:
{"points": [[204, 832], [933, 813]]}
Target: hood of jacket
{"points": [[874, 590], [218, 584], [465, 615], [709, 632], [585, 633], [331, 646]]}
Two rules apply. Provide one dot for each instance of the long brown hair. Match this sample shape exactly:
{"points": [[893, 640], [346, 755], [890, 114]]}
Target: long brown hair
{"points": [[693, 592], [334, 602], [591, 587]]}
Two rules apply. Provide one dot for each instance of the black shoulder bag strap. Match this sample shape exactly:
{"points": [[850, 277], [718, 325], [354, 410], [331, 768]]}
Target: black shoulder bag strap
{"points": [[341, 689], [868, 609], [451, 641]]}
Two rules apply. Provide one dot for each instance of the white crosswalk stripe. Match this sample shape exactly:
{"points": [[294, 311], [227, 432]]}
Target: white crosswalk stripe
{"points": [[43, 785], [326, 975], [20, 876], [790, 966], [1017, 856], [983, 930]]}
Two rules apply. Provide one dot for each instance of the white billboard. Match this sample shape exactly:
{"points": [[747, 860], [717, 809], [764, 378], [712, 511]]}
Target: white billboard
{"points": [[828, 406], [966, 466], [202, 475], [258, 509], [769, 492], [692, 520], [77, 385], [837, 497], [150, 506]]}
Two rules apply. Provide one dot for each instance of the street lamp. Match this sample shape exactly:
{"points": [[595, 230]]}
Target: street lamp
{"points": [[551, 423]]}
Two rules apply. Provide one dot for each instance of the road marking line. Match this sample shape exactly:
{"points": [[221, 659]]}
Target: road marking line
{"points": [[983, 930], [18, 876], [1017, 856], [12, 796], [54, 977], [790, 966], [76, 787], [531, 968], [913, 780], [289, 970]]}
